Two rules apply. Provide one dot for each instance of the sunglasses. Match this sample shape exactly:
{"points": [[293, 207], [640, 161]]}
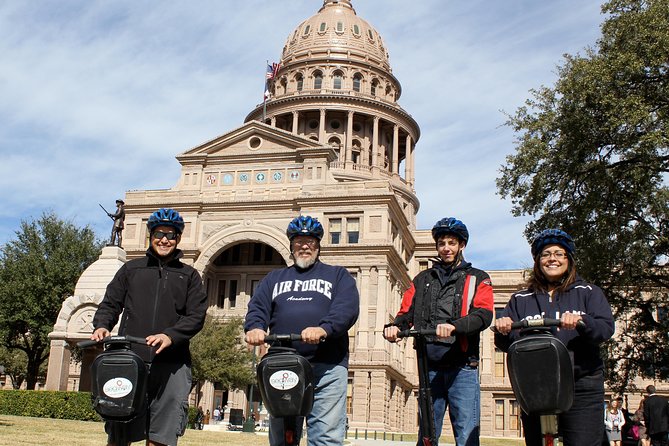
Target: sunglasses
{"points": [[158, 235]]}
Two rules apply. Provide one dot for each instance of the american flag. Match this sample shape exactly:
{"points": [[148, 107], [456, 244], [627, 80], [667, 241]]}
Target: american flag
{"points": [[269, 75]]}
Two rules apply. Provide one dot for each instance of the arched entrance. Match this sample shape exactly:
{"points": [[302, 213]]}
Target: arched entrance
{"points": [[230, 279]]}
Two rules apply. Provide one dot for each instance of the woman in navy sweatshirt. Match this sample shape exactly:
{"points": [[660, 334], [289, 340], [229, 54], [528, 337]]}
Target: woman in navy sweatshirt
{"points": [[556, 291]]}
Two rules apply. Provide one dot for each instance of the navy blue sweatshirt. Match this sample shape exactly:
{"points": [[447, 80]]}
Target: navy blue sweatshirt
{"points": [[581, 298], [291, 299]]}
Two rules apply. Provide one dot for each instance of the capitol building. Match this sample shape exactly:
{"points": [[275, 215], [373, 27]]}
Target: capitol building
{"points": [[333, 142]]}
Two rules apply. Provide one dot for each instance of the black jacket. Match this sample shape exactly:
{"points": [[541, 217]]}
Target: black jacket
{"points": [[656, 414], [156, 297], [469, 293]]}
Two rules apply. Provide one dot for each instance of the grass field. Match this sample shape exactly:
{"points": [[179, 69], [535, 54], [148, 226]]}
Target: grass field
{"points": [[26, 431]]}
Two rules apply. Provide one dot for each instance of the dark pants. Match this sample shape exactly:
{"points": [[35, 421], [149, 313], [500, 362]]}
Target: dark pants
{"points": [[659, 439], [583, 424]]}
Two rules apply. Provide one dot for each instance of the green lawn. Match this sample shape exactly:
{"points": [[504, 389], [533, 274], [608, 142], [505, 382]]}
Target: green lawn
{"points": [[28, 431]]}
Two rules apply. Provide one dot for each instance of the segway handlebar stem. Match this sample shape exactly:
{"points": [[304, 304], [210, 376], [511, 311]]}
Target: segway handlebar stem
{"points": [[116, 339]]}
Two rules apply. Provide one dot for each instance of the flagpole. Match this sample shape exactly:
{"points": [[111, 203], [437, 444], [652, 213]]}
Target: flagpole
{"points": [[264, 94]]}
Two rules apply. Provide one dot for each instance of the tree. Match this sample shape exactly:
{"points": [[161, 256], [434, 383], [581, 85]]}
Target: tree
{"points": [[38, 271], [219, 355], [14, 364], [592, 156]]}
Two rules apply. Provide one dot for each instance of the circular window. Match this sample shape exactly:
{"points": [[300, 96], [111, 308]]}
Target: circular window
{"points": [[313, 124], [357, 127], [335, 124], [254, 142]]}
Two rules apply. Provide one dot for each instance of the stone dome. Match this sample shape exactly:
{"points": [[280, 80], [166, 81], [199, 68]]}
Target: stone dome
{"points": [[336, 31]]}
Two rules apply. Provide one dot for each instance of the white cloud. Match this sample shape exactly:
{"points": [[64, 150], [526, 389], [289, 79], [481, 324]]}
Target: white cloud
{"points": [[98, 97]]}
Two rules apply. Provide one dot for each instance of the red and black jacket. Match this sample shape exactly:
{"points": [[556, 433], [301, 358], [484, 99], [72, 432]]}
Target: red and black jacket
{"points": [[470, 295]]}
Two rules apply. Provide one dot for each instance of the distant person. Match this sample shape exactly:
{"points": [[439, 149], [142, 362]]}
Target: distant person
{"points": [[656, 416], [320, 302], [554, 290], [614, 420], [456, 299]]}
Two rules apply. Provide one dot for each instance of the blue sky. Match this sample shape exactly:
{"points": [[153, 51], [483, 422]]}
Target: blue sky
{"points": [[97, 97]]}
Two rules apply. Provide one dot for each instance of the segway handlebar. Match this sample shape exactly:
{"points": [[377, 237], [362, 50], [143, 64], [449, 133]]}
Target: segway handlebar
{"points": [[413, 333], [534, 323], [116, 339], [282, 337]]}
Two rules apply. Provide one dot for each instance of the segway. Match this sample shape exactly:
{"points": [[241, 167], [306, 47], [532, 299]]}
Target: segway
{"points": [[118, 383], [428, 434], [286, 382], [541, 374]]}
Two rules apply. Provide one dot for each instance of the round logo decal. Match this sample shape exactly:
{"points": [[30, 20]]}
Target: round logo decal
{"points": [[117, 387], [283, 380]]}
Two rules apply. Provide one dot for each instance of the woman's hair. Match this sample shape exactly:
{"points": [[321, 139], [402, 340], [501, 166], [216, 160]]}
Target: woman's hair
{"points": [[539, 282]]}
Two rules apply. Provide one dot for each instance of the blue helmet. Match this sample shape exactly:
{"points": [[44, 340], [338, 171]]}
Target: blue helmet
{"points": [[450, 226], [305, 225], [553, 237], [166, 217]]}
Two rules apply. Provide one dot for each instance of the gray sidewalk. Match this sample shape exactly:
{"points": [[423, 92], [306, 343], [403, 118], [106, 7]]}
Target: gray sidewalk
{"points": [[362, 442]]}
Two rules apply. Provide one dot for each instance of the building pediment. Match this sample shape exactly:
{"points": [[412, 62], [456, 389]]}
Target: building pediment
{"points": [[253, 141]]}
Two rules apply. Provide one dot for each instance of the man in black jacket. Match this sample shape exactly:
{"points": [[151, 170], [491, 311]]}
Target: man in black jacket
{"points": [[656, 416], [162, 300]]}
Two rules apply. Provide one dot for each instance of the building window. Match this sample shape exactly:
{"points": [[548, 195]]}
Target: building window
{"points": [[353, 229], [335, 230], [318, 80], [306, 30], [349, 396], [300, 82], [350, 224], [323, 27], [375, 84], [514, 415], [337, 81], [356, 82], [499, 414], [221, 294], [356, 30], [233, 293], [499, 363]]}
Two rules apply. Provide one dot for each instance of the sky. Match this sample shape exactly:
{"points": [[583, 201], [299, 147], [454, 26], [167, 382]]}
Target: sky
{"points": [[98, 97]]}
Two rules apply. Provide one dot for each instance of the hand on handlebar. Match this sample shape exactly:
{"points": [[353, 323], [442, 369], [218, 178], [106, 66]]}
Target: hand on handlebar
{"points": [[255, 336], [161, 340], [445, 330], [313, 335], [99, 334], [570, 320], [503, 325], [390, 333]]}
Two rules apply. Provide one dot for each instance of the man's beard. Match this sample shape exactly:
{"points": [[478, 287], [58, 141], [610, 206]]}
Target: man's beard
{"points": [[304, 263]]}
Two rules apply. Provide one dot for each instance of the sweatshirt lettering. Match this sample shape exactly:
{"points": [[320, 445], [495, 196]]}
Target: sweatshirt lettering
{"points": [[295, 286]]}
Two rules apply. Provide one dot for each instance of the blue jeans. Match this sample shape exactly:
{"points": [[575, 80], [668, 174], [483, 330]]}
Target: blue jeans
{"points": [[458, 390], [326, 424]]}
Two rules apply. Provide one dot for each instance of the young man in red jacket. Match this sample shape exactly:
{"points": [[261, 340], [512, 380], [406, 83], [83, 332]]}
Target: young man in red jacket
{"points": [[456, 300]]}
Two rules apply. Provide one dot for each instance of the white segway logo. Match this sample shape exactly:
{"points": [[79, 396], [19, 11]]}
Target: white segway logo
{"points": [[117, 387], [283, 380]]}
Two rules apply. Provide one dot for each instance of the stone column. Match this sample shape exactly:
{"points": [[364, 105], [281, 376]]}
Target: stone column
{"points": [[59, 366], [375, 147], [321, 127], [349, 137], [396, 149], [296, 118], [408, 163]]}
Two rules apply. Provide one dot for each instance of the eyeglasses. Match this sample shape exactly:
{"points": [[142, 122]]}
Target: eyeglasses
{"points": [[300, 243], [559, 255], [158, 235]]}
